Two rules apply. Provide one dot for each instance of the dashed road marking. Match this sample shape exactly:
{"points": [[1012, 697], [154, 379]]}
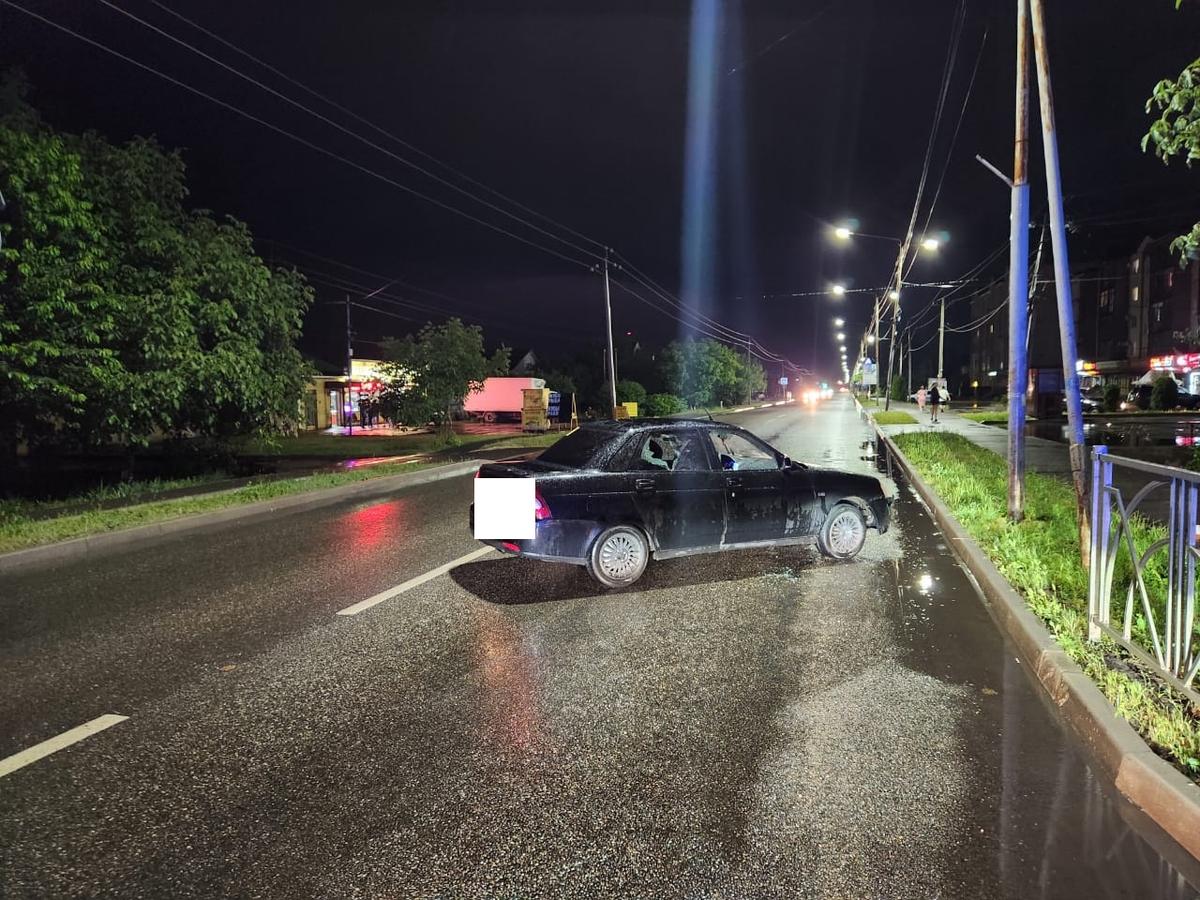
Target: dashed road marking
{"points": [[10, 764], [411, 583]]}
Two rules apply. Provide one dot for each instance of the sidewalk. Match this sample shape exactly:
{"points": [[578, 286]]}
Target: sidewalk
{"points": [[1041, 455]]}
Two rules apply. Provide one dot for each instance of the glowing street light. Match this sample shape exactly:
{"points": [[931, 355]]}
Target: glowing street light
{"points": [[838, 323], [931, 244], [870, 338], [838, 290], [841, 336], [893, 295], [842, 233]]}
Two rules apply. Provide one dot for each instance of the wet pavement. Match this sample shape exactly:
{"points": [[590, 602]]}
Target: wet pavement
{"points": [[754, 724]]}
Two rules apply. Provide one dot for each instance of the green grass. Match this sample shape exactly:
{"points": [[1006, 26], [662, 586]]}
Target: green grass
{"points": [[338, 446], [868, 401], [17, 531], [529, 440], [1040, 558], [893, 417], [987, 416]]}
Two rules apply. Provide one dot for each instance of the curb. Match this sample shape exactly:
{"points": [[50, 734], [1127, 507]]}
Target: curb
{"points": [[1151, 783], [109, 541]]}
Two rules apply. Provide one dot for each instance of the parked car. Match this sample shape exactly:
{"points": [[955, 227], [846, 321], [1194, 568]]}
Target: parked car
{"points": [[614, 495], [1139, 398]]}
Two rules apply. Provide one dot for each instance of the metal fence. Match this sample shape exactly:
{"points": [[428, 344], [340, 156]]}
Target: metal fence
{"points": [[1158, 578]]}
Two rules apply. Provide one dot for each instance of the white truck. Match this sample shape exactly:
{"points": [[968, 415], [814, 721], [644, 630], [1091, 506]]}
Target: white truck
{"points": [[500, 399]]}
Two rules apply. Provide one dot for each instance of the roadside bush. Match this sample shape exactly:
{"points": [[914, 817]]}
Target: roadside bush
{"points": [[630, 392], [1112, 397], [663, 405], [1164, 394], [897, 392]]}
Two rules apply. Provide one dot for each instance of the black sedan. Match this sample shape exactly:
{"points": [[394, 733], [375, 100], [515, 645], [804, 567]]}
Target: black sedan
{"points": [[613, 495]]}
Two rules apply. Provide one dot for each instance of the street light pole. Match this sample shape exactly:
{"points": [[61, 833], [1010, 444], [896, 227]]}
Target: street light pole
{"points": [[941, 342], [1018, 277], [347, 409], [612, 356], [1062, 274]]}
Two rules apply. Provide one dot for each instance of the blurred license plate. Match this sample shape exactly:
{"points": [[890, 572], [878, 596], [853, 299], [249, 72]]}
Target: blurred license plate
{"points": [[504, 509]]}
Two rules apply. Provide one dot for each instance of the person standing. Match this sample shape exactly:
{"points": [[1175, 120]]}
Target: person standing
{"points": [[935, 400], [922, 395]]}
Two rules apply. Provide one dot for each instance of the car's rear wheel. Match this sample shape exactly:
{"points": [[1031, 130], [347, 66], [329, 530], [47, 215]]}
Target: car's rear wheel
{"points": [[844, 532], [619, 556]]}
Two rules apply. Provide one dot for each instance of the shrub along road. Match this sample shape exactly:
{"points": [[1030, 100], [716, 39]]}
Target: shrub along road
{"points": [[767, 723]]}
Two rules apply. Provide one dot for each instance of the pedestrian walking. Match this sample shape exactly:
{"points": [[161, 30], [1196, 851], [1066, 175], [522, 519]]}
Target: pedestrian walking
{"points": [[922, 395], [935, 400]]}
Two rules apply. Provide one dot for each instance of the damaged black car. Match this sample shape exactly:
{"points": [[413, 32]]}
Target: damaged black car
{"points": [[612, 496]]}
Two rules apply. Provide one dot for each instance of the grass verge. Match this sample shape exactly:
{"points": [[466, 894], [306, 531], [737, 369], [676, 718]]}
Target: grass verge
{"points": [[529, 441], [340, 446], [1040, 558], [987, 416], [18, 532], [893, 417]]}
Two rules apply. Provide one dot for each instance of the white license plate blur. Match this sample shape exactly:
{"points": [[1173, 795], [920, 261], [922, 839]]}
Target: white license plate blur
{"points": [[504, 509]]}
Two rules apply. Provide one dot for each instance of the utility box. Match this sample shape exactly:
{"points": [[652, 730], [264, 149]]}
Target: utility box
{"points": [[535, 409]]}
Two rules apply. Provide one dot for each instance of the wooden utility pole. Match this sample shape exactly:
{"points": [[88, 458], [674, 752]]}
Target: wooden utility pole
{"points": [[1018, 278], [1062, 274]]}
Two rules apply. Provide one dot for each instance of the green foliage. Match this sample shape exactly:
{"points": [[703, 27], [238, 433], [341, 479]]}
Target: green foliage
{"points": [[1164, 394], [122, 315], [430, 373], [1040, 558], [988, 416], [1176, 132], [630, 392], [897, 391], [1112, 397], [663, 405], [707, 373], [563, 382]]}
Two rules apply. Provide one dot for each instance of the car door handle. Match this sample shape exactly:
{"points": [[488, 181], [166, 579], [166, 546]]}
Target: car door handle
{"points": [[733, 482], [644, 485]]}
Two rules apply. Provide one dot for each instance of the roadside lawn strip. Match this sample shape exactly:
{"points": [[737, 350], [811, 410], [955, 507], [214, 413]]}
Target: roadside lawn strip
{"points": [[893, 417], [19, 530], [1040, 558]]}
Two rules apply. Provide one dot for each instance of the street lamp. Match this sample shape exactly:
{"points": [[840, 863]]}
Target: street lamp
{"points": [[930, 244], [838, 290], [893, 295], [841, 336], [870, 338], [842, 233], [838, 323]]}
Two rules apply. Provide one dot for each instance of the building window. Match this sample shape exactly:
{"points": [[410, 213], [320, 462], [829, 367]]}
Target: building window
{"points": [[1106, 299], [1137, 264], [991, 330], [1156, 311], [1137, 293], [1164, 280]]}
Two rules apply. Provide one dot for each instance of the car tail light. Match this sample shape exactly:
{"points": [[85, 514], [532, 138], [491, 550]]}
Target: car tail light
{"points": [[510, 546], [541, 510]]}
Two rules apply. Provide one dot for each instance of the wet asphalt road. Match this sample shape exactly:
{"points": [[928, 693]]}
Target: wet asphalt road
{"points": [[756, 724]]}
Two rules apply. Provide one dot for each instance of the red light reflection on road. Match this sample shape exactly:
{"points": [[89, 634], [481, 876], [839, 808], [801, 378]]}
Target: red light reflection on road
{"points": [[367, 528]]}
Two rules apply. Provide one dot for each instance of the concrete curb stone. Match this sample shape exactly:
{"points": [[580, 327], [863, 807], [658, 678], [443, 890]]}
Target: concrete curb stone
{"points": [[110, 541], [1160, 790]]}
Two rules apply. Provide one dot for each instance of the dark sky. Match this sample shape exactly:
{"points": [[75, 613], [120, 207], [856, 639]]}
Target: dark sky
{"points": [[578, 110]]}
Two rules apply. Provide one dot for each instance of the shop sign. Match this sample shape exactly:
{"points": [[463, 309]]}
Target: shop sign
{"points": [[1183, 362]]}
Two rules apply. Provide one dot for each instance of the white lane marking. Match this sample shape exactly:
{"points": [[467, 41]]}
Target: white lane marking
{"points": [[10, 764], [412, 583]]}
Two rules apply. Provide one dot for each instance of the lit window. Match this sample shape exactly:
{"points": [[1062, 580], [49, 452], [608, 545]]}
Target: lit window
{"points": [[1156, 311], [1137, 293], [992, 328], [1137, 264], [1106, 298]]}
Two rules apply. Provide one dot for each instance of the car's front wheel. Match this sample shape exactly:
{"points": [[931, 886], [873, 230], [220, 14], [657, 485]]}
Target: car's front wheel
{"points": [[619, 556], [844, 532]]}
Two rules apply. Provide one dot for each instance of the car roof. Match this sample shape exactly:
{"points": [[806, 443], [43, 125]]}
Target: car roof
{"points": [[628, 425]]}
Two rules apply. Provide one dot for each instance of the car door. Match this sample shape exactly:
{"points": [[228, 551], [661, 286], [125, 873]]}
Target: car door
{"points": [[677, 491], [755, 487]]}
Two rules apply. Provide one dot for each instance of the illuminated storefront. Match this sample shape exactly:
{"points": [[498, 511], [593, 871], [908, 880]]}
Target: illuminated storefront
{"points": [[1184, 366]]}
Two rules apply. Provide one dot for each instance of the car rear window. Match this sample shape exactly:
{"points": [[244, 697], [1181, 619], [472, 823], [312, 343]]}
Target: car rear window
{"points": [[578, 448]]}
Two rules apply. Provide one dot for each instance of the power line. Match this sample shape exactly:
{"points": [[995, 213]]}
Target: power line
{"points": [[298, 105], [288, 134], [363, 120]]}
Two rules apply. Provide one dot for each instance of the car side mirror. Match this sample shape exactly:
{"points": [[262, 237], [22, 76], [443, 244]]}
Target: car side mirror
{"points": [[785, 462]]}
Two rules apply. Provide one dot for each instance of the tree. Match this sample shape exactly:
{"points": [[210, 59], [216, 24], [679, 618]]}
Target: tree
{"points": [[663, 405], [1164, 394], [1176, 132], [707, 372], [122, 314], [429, 374], [629, 391]]}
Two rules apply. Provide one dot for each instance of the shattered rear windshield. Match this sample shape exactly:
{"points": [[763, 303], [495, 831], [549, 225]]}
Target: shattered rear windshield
{"points": [[578, 448]]}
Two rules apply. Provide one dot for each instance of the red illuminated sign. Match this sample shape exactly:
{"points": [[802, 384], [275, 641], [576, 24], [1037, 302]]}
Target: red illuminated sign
{"points": [[1184, 362]]}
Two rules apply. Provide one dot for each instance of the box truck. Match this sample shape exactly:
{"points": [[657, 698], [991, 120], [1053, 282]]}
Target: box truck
{"points": [[500, 399]]}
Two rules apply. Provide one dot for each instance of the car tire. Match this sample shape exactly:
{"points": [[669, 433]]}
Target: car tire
{"points": [[843, 532], [619, 556]]}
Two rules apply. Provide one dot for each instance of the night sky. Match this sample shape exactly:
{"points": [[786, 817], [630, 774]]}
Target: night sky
{"points": [[578, 110]]}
